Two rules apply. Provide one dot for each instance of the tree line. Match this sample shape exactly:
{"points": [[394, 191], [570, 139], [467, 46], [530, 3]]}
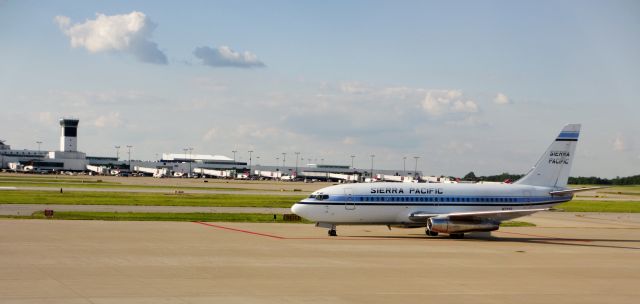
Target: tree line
{"points": [[581, 180]]}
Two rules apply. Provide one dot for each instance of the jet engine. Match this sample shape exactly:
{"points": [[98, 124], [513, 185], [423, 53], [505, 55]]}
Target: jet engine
{"points": [[445, 225]]}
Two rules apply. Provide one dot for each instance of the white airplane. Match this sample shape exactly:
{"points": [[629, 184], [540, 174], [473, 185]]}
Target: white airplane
{"points": [[448, 208]]}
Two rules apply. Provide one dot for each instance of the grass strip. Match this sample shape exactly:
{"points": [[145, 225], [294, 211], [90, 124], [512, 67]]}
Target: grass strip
{"points": [[147, 199], [5, 179], [517, 224], [600, 206], [174, 217]]}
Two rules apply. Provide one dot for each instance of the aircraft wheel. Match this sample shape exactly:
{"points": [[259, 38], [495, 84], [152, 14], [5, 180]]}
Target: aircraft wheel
{"points": [[431, 233], [332, 232], [456, 235]]}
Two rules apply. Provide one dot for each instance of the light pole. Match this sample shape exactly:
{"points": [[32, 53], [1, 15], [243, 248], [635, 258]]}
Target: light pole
{"points": [[185, 157], [129, 152], [404, 165], [250, 172], [415, 170], [190, 160], [284, 155], [352, 157], [277, 163], [38, 142], [117, 152], [297, 156], [372, 156], [234, 163]]}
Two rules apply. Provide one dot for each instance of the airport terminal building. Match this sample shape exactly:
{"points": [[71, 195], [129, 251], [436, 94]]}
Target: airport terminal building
{"points": [[69, 159]]}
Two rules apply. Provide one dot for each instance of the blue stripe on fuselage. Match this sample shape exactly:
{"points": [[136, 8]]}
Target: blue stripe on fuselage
{"points": [[394, 200]]}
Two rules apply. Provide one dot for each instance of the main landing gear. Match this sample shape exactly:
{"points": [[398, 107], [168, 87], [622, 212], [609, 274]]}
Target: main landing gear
{"points": [[430, 233], [332, 231]]}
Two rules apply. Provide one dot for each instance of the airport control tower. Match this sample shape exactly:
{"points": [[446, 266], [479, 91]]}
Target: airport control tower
{"points": [[69, 136]]}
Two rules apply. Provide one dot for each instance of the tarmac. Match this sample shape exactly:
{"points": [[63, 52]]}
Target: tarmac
{"points": [[567, 258]]}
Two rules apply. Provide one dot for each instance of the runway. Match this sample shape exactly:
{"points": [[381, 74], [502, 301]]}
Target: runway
{"points": [[569, 258]]}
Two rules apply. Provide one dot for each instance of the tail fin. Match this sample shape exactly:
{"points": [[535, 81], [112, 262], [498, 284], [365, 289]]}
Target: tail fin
{"points": [[552, 170]]}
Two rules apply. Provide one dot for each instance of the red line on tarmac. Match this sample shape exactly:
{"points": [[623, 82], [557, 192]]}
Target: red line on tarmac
{"points": [[273, 236], [241, 230]]}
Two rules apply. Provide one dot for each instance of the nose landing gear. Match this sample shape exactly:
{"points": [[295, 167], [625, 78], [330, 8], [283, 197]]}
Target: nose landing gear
{"points": [[332, 228]]}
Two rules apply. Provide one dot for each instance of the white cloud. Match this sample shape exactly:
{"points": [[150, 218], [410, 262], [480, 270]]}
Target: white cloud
{"points": [[401, 92], [109, 120], [46, 118], [469, 121], [440, 102], [459, 147], [354, 88], [209, 135], [210, 84], [502, 99], [224, 56], [128, 33], [619, 144], [348, 141]]}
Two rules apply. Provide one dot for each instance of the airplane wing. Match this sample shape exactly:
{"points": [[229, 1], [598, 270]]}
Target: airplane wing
{"points": [[571, 191], [494, 216]]}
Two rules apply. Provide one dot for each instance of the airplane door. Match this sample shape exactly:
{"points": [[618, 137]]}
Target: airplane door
{"points": [[527, 197], [348, 199]]}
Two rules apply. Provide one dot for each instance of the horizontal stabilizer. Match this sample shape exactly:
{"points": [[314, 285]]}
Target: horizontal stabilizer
{"points": [[571, 191]]}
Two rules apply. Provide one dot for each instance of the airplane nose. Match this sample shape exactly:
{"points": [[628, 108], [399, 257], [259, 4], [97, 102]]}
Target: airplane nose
{"points": [[295, 209], [301, 210]]}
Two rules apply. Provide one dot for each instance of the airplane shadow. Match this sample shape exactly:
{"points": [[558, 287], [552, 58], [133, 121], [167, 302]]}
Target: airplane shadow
{"points": [[579, 242], [543, 240]]}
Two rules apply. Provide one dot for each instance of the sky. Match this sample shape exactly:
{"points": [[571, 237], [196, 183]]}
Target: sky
{"points": [[481, 86]]}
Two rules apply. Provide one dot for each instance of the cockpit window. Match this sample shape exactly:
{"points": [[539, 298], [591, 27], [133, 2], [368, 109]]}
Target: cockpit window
{"points": [[312, 196], [321, 197]]}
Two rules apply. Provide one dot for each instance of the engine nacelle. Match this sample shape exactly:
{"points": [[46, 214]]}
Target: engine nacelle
{"points": [[444, 225]]}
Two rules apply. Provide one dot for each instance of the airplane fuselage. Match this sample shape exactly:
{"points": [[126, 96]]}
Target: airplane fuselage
{"points": [[395, 203]]}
